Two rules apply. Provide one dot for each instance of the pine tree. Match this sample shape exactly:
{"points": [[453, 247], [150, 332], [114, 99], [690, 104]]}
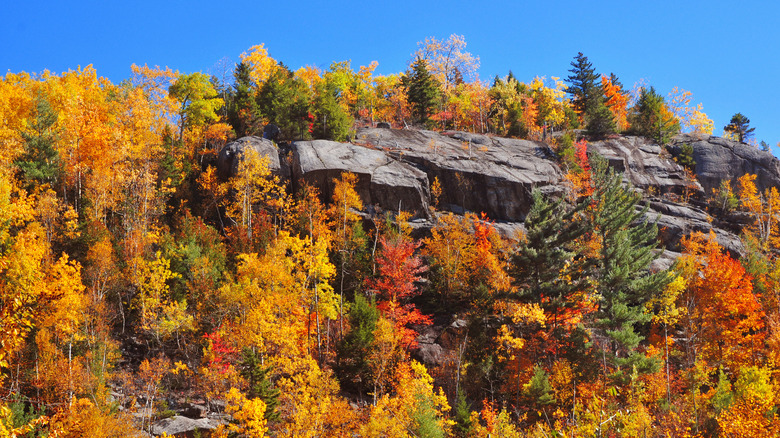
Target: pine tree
{"points": [[584, 87], [284, 101], [40, 162], [739, 125], [627, 247], [422, 90]]}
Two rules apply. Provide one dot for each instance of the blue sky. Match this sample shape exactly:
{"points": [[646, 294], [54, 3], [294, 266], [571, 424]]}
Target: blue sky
{"points": [[726, 53]]}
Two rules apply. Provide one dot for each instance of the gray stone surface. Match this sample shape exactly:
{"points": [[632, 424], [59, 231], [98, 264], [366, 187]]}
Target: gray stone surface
{"points": [[230, 155], [382, 180], [180, 426], [645, 164], [477, 173], [718, 158]]}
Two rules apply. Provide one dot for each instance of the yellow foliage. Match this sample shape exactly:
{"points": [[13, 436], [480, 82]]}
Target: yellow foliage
{"points": [[262, 65]]}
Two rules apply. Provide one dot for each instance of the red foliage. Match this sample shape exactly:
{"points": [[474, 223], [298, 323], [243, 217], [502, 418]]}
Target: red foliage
{"points": [[399, 269]]}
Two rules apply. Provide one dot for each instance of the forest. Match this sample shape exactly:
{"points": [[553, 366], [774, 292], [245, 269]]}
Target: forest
{"points": [[136, 282]]}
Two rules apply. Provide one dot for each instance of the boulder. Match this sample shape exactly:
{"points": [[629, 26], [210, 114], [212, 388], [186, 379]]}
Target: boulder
{"points": [[382, 180], [230, 155], [720, 159], [179, 426]]}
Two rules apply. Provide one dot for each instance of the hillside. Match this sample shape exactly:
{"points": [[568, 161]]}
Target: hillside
{"points": [[338, 253]]}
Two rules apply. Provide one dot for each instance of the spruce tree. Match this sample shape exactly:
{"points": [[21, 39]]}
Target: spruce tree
{"points": [[624, 282], [242, 107], [650, 117], [422, 91], [584, 88], [260, 385]]}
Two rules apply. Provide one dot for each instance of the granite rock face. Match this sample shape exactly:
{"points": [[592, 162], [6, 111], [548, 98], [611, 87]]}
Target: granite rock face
{"points": [[476, 173], [230, 156], [396, 169], [646, 165], [382, 180], [720, 159]]}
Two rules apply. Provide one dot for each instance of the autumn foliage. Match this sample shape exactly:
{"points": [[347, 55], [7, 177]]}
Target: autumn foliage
{"points": [[135, 278]]}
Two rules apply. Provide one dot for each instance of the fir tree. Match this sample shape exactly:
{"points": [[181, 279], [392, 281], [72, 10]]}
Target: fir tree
{"points": [[284, 101], [422, 90], [242, 108]]}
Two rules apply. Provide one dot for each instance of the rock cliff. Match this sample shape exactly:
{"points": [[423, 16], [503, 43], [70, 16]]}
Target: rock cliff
{"points": [[495, 176]]}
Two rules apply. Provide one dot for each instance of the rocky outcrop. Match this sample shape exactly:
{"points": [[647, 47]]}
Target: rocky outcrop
{"points": [[646, 165], [476, 173], [396, 170], [382, 180], [720, 159], [230, 156]]}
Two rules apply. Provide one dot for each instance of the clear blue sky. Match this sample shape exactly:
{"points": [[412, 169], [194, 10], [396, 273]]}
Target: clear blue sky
{"points": [[726, 53]]}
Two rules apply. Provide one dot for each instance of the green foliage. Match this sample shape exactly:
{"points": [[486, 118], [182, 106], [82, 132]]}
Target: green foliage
{"points": [[422, 91], [739, 126], [198, 99], [354, 350], [333, 122], [685, 157], [242, 106], [650, 117], [40, 162], [286, 102], [625, 285], [425, 418], [584, 88], [723, 394], [538, 390], [601, 121], [260, 385], [462, 415]]}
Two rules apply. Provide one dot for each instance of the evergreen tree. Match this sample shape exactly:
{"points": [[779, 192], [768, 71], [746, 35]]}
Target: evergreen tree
{"points": [[242, 108], [462, 413], [422, 90], [584, 87], [260, 385], [332, 120], [739, 125], [601, 121], [625, 285], [650, 117], [284, 101], [354, 349], [40, 162], [549, 267]]}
